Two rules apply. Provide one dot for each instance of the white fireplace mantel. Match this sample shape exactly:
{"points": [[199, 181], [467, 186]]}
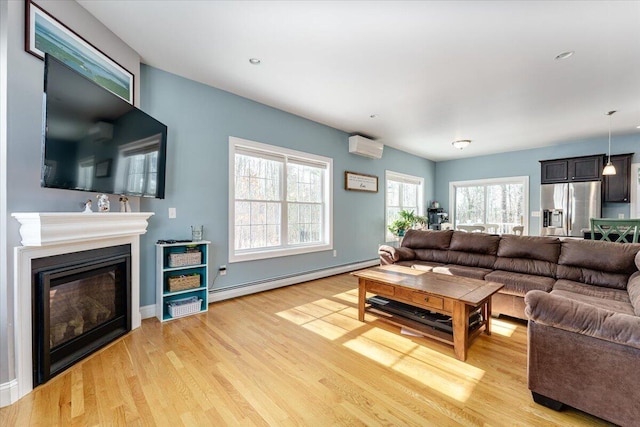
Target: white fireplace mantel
{"points": [[50, 228], [47, 234]]}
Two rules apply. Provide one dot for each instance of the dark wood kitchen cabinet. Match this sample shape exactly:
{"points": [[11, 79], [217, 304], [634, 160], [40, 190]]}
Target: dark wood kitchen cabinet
{"points": [[616, 187], [573, 169]]}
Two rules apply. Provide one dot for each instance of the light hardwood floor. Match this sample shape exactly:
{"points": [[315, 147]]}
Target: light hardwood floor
{"points": [[294, 356]]}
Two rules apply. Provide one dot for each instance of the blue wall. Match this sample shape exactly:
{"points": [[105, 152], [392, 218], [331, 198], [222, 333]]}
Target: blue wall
{"points": [[526, 163], [200, 120]]}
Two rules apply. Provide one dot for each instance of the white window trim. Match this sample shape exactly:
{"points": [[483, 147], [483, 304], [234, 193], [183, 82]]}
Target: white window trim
{"points": [[403, 177], [635, 191], [512, 179], [280, 252]]}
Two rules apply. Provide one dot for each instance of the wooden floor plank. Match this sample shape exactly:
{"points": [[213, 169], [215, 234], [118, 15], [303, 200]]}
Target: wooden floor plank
{"points": [[294, 356]]}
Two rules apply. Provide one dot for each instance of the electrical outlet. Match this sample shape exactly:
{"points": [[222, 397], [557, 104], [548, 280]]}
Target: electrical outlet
{"points": [[335, 253], [620, 216], [172, 212], [223, 270]]}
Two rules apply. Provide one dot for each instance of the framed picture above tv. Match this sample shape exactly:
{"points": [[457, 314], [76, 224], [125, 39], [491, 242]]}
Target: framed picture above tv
{"points": [[45, 34]]}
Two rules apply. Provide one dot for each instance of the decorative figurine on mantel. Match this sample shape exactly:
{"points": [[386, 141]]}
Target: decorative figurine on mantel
{"points": [[103, 203], [124, 204], [87, 207]]}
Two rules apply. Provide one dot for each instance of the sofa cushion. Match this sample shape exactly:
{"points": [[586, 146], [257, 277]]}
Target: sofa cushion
{"points": [[528, 255], [463, 271], [620, 258], [519, 284], [473, 249], [427, 239], [530, 247], [432, 255], [477, 243], [471, 259], [526, 266], [593, 277], [604, 303], [597, 263], [591, 290], [428, 245]]}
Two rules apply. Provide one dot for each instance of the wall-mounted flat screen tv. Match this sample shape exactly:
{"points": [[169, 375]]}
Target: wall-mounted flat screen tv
{"points": [[96, 141]]}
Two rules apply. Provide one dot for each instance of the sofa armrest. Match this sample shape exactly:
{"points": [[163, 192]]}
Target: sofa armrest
{"points": [[633, 287], [390, 255], [575, 316]]}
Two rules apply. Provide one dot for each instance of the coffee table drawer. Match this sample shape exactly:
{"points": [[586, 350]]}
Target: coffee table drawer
{"points": [[421, 299], [381, 288], [428, 300]]}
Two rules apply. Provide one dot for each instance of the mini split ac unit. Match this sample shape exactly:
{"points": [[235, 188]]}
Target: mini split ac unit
{"points": [[101, 131], [365, 147]]}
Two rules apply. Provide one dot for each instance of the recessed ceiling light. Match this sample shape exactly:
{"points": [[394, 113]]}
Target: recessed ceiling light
{"points": [[254, 61], [565, 55], [461, 143], [637, 127]]}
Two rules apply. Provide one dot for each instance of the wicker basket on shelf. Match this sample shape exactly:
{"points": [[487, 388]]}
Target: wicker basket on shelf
{"points": [[182, 282], [181, 259], [183, 307]]}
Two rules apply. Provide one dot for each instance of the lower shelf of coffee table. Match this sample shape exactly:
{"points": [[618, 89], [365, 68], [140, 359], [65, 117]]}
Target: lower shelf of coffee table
{"points": [[420, 328]]}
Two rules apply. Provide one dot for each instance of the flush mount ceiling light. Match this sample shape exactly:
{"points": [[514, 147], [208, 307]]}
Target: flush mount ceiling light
{"points": [[609, 169], [254, 61], [565, 55], [461, 143]]}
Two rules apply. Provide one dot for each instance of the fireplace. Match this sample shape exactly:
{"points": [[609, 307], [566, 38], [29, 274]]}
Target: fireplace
{"points": [[81, 302], [49, 234]]}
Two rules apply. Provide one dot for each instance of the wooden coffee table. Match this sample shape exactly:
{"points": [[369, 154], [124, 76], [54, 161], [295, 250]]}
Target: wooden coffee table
{"points": [[454, 296]]}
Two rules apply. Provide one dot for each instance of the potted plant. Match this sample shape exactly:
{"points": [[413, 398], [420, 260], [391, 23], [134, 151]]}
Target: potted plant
{"points": [[407, 220]]}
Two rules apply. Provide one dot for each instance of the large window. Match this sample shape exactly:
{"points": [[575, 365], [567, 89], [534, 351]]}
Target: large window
{"points": [[279, 201], [497, 204], [403, 192]]}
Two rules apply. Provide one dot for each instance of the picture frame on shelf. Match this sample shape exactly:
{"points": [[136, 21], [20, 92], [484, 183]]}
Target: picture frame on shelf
{"points": [[46, 34], [354, 181]]}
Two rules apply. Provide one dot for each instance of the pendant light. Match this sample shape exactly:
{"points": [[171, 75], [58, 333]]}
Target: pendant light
{"points": [[609, 169]]}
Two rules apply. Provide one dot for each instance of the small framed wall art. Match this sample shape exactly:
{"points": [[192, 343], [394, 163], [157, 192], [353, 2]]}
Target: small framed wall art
{"points": [[354, 181], [103, 169]]}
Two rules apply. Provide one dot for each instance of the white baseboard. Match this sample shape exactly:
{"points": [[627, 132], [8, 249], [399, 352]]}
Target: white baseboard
{"points": [[149, 311], [247, 289], [8, 393]]}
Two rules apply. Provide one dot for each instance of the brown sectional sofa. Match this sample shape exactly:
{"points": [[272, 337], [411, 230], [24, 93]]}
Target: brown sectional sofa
{"points": [[582, 301]]}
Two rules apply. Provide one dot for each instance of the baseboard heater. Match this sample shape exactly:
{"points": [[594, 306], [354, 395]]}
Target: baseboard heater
{"points": [[429, 318], [220, 294]]}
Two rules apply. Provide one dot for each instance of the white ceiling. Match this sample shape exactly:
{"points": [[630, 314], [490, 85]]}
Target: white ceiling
{"points": [[432, 72]]}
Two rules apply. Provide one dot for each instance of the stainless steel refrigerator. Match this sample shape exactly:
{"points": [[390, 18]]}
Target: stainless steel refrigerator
{"points": [[567, 208]]}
